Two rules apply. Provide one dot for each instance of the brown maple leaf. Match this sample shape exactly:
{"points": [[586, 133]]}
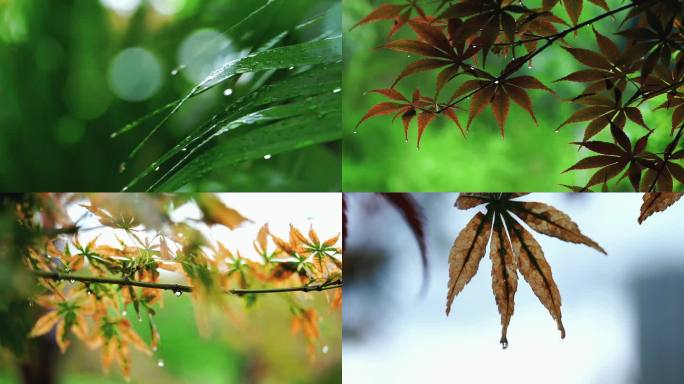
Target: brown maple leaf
{"points": [[512, 249], [657, 202]]}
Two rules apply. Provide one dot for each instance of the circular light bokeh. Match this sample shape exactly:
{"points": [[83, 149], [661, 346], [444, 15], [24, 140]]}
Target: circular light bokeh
{"points": [[135, 74], [203, 51]]}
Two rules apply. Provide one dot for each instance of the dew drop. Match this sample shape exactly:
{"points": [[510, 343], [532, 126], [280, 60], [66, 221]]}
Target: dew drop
{"points": [[529, 66], [122, 167], [160, 363], [174, 72], [325, 349], [267, 157], [228, 92], [124, 313], [184, 149], [124, 189], [178, 293], [337, 90], [291, 68], [504, 344], [355, 132], [156, 169], [496, 81]]}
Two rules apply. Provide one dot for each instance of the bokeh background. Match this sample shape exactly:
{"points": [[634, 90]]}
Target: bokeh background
{"points": [[531, 158], [242, 345], [75, 71], [622, 312]]}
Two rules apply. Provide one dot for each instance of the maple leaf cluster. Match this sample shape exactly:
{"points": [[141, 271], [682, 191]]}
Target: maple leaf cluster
{"points": [[512, 249], [149, 241], [456, 37]]}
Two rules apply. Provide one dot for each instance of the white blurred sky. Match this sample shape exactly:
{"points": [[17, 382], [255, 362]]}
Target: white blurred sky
{"points": [[416, 342], [322, 210]]}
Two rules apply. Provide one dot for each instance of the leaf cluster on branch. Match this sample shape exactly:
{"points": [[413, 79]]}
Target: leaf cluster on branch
{"points": [[87, 287], [457, 38]]}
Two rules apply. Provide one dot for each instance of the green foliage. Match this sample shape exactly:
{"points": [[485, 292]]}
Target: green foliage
{"points": [[59, 107]]}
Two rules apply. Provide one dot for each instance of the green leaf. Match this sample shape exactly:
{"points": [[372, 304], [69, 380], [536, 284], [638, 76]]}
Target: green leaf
{"points": [[302, 90], [305, 127]]}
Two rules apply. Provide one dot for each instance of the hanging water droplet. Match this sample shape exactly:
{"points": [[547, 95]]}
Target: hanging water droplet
{"points": [[124, 313], [337, 90], [177, 293], [184, 149], [156, 169], [139, 318], [160, 363], [496, 81], [325, 349], [30, 304], [291, 68], [174, 72], [556, 130], [89, 292], [267, 157], [228, 92], [504, 344], [122, 167], [529, 66], [355, 132], [124, 189], [72, 281]]}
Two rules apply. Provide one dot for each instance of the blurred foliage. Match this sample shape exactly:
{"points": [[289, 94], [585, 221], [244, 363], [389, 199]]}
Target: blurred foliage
{"points": [[75, 240], [529, 159], [60, 104]]}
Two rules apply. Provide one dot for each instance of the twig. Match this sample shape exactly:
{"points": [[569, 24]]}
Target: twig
{"points": [[181, 288]]}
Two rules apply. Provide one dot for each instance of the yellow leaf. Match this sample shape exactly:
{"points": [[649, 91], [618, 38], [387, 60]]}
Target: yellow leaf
{"points": [[466, 253], [215, 212], [60, 337], [45, 324]]}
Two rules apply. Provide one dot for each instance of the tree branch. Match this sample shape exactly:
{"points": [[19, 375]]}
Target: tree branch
{"points": [[181, 288]]}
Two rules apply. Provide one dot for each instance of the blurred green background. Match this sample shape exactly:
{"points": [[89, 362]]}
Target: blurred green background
{"points": [[261, 350], [74, 71], [530, 158]]}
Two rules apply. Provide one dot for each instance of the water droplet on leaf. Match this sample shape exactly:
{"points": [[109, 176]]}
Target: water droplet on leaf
{"points": [[337, 90], [228, 92], [267, 157]]}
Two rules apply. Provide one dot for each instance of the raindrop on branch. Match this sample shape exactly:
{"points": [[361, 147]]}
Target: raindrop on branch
{"points": [[177, 293]]}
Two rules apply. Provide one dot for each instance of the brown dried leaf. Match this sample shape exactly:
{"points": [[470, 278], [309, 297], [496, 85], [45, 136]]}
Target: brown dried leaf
{"points": [[504, 276], [657, 202], [466, 253], [550, 221], [536, 270]]}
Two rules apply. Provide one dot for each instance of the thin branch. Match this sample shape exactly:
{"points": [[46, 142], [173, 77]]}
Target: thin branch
{"points": [[666, 157], [181, 288], [550, 41]]}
